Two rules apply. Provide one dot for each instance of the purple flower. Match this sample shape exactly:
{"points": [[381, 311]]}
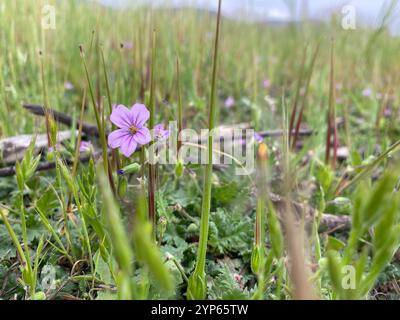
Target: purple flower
{"points": [[160, 133], [266, 83], [229, 103], [258, 138], [85, 146], [56, 147], [367, 92], [127, 45], [68, 86], [132, 130]]}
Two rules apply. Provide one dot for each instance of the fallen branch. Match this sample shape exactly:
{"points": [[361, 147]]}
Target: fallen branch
{"points": [[328, 221], [13, 148], [45, 166], [60, 117], [91, 130]]}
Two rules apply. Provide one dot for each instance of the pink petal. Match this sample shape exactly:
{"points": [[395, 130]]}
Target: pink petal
{"points": [[128, 147], [121, 116], [139, 114], [142, 136], [117, 137]]}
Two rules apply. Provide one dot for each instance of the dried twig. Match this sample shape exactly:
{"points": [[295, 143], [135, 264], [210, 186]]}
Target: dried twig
{"points": [[43, 166], [91, 130], [60, 117]]}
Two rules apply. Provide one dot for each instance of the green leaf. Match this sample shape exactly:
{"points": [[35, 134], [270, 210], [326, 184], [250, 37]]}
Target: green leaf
{"points": [[334, 244]]}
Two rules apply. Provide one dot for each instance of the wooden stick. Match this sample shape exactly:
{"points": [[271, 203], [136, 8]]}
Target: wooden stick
{"points": [[91, 130], [44, 166], [60, 117]]}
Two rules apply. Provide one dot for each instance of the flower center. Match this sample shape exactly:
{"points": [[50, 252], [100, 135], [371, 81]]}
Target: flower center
{"points": [[133, 129]]}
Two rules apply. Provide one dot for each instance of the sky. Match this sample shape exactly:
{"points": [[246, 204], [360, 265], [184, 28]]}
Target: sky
{"points": [[367, 11]]}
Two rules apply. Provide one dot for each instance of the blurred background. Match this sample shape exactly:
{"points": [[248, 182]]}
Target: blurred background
{"points": [[369, 13]]}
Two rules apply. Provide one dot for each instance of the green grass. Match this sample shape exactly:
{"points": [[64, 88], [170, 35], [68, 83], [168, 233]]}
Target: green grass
{"points": [[74, 223]]}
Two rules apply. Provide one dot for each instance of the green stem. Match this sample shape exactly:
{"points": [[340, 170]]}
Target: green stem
{"points": [[113, 126], [96, 113], [13, 236], [152, 169], [199, 273], [180, 107]]}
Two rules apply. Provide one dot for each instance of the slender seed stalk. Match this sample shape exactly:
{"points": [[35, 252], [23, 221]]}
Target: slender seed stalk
{"points": [[115, 152], [332, 128], [180, 107], [100, 124], [152, 168], [296, 99], [304, 101], [96, 113], [47, 114], [79, 138], [76, 156], [77, 147], [197, 288], [258, 255]]}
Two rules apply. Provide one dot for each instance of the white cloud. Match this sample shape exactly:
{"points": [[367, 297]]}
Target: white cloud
{"points": [[278, 14]]}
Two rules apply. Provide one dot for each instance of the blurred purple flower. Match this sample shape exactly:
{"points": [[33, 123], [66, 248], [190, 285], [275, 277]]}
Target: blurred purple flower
{"points": [[258, 138], [127, 45], [57, 146], [85, 146], [367, 92], [339, 86], [132, 130], [266, 83], [229, 102], [68, 86], [160, 133]]}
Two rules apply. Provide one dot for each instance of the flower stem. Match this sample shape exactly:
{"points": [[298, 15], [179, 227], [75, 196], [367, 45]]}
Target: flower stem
{"points": [[115, 152], [332, 128], [152, 169], [98, 120], [197, 285], [304, 101], [50, 143], [180, 107]]}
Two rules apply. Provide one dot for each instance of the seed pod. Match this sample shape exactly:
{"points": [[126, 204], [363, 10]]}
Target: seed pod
{"points": [[130, 169], [122, 187], [179, 169], [257, 257], [197, 287]]}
